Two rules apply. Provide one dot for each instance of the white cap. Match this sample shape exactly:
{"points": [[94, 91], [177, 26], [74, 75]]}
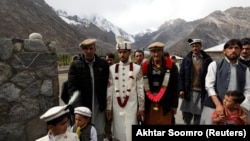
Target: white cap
{"points": [[54, 113], [35, 36], [125, 45], [83, 111], [122, 44], [192, 41]]}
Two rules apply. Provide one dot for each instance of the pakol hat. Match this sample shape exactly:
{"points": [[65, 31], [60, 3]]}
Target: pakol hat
{"points": [[192, 41], [85, 111], [54, 113], [122, 44], [87, 42], [156, 45]]}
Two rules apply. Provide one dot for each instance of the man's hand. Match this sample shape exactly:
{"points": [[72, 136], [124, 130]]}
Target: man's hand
{"points": [[108, 114], [220, 111], [140, 115], [181, 94]]}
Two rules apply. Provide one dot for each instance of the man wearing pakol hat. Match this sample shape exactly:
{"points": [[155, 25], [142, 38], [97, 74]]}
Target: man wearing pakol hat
{"points": [[125, 102], [83, 127], [160, 84], [89, 75], [192, 90], [57, 122], [225, 75]]}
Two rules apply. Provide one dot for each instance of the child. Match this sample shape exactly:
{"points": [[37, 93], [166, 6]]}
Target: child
{"points": [[83, 128], [57, 122], [233, 113]]}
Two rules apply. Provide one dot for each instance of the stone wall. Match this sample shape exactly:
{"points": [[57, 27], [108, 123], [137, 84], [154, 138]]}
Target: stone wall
{"points": [[28, 87]]}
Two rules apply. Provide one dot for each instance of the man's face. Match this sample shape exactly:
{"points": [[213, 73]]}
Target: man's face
{"points": [[138, 57], [156, 54], [110, 60], [89, 51], [196, 48], [123, 55], [232, 52], [245, 52]]}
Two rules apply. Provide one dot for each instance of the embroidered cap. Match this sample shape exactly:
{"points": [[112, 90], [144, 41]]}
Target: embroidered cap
{"points": [[85, 111], [87, 42], [122, 44], [192, 41], [125, 45], [54, 113], [156, 45]]}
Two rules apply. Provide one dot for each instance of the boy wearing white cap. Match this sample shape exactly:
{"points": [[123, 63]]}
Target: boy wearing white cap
{"points": [[57, 122], [83, 128]]}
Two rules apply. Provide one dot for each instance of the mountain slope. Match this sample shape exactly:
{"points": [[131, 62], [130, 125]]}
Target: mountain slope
{"points": [[20, 18], [214, 29]]}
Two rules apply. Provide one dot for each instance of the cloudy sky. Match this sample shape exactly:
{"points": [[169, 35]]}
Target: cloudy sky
{"points": [[135, 16]]}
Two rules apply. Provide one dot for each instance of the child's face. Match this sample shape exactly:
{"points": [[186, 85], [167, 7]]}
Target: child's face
{"points": [[81, 120], [60, 127], [229, 102]]}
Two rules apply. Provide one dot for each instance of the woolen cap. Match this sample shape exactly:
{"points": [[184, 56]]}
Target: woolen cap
{"points": [[156, 45], [85, 111], [192, 41], [87, 42], [54, 113]]}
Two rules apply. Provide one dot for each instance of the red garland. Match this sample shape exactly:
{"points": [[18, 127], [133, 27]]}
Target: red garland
{"points": [[124, 103], [120, 101], [156, 98]]}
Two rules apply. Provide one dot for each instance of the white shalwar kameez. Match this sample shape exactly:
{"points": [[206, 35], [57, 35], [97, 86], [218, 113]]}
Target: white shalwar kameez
{"points": [[124, 117]]}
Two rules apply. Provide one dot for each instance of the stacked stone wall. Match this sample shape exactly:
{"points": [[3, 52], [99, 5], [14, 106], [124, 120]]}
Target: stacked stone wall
{"points": [[28, 87]]}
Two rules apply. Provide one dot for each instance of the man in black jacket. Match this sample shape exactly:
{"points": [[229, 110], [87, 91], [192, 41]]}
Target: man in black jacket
{"points": [[192, 90], [89, 75]]}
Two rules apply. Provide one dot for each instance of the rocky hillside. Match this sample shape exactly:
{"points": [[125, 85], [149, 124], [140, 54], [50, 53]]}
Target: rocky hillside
{"points": [[19, 18], [214, 29]]}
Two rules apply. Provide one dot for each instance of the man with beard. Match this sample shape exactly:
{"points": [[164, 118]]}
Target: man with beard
{"points": [[125, 100], [225, 75]]}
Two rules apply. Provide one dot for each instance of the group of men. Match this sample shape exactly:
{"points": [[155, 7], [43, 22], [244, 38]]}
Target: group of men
{"points": [[203, 82], [129, 93]]}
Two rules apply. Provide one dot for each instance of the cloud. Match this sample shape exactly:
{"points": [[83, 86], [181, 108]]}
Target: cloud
{"points": [[137, 15]]}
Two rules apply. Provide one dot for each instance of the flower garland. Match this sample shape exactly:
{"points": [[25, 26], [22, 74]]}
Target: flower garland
{"points": [[117, 91], [157, 97], [150, 95]]}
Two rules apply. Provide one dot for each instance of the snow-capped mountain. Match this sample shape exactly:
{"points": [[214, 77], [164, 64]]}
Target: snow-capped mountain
{"points": [[99, 21]]}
